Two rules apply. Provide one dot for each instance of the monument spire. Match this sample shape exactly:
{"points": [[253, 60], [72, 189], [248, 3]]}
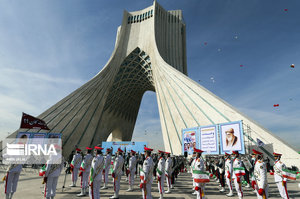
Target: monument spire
{"points": [[149, 55]]}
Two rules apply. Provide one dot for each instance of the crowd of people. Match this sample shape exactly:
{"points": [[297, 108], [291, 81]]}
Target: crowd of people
{"points": [[233, 169], [95, 168]]}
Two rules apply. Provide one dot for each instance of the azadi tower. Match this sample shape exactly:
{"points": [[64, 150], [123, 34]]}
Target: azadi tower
{"points": [[149, 55]]}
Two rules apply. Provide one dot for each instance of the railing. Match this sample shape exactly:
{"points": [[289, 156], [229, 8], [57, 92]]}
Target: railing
{"points": [[247, 134]]}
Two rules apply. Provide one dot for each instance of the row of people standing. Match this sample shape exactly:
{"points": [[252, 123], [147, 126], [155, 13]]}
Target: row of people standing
{"points": [[232, 169], [164, 169]]}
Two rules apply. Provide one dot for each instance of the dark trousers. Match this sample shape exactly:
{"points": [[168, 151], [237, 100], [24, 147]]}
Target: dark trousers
{"points": [[222, 179], [247, 176]]}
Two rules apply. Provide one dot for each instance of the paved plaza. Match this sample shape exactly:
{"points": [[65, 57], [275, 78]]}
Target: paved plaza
{"points": [[30, 187]]}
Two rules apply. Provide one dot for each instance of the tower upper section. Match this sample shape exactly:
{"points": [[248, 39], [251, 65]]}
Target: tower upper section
{"points": [[154, 27]]}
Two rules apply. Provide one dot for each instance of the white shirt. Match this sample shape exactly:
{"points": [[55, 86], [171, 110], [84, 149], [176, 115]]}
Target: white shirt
{"points": [[77, 158], [169, 165], [118, 165], [14, 168], [260, 174], [278, 166], [97, 167], [87, 161], [132, 163], [228, 167], [148, 166], [160, 170], [52, 169], [199, 164], [237, 163], [107, 162]]}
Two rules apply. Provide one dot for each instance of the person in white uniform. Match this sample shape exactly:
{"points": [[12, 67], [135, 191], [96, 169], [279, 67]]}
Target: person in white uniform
{"points": [[192, 160], [237, 164], [106, 169], [75, 165], [260, 176], [85, 171], [198, 170], [278, 177], [95, 177], [131, 170], [168, 170], [11, 179], [228, 173], [160, 173], [146, 174], [54, 166], [117, 172]]}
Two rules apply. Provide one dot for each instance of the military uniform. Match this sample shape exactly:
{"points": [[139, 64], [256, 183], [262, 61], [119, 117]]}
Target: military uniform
{"points": [[168, 170], [260, 175], [11, 179], [96, 175], [85, 172], [147, 176], [106, 169], [253, 182], [237, 163], [117, 174], [75, 165], [53, 169], [192, 166], [221, 169], [228, 174], [279, 180], [198, 168], [132, 169], [160, 172]]}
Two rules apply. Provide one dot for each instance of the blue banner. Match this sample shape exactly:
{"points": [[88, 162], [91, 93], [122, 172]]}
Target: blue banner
{"points": [[125, 146], [190, 140], [25, 135]]}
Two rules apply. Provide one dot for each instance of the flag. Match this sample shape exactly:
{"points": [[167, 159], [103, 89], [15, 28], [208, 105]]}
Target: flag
{"points": [[200, 176], [42, 170], [260, 143], [30, 122], [91, 175], [289, 174], [240, 171], [82, 166], [159, 171]]}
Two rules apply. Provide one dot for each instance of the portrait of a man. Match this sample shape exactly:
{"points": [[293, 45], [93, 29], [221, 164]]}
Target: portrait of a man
{"points": [[231, 139], [231, 135]]}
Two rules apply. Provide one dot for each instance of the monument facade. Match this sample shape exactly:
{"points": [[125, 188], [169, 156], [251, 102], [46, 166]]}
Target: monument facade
{"points": [[149, 55]]}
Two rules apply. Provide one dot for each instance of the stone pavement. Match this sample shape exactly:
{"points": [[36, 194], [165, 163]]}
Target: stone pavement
{"points": [[30, 187]]}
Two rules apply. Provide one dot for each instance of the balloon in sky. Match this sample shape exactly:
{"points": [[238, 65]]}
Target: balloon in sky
{"points": [[293, 66]]}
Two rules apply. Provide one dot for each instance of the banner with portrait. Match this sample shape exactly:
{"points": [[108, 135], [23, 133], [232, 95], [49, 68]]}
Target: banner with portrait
{"points": [[209, 139], [232, 137], [38, 137], [190, 140]]}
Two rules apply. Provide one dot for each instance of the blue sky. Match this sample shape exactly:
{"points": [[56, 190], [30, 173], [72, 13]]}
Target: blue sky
{"points": [[50, 48]]}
